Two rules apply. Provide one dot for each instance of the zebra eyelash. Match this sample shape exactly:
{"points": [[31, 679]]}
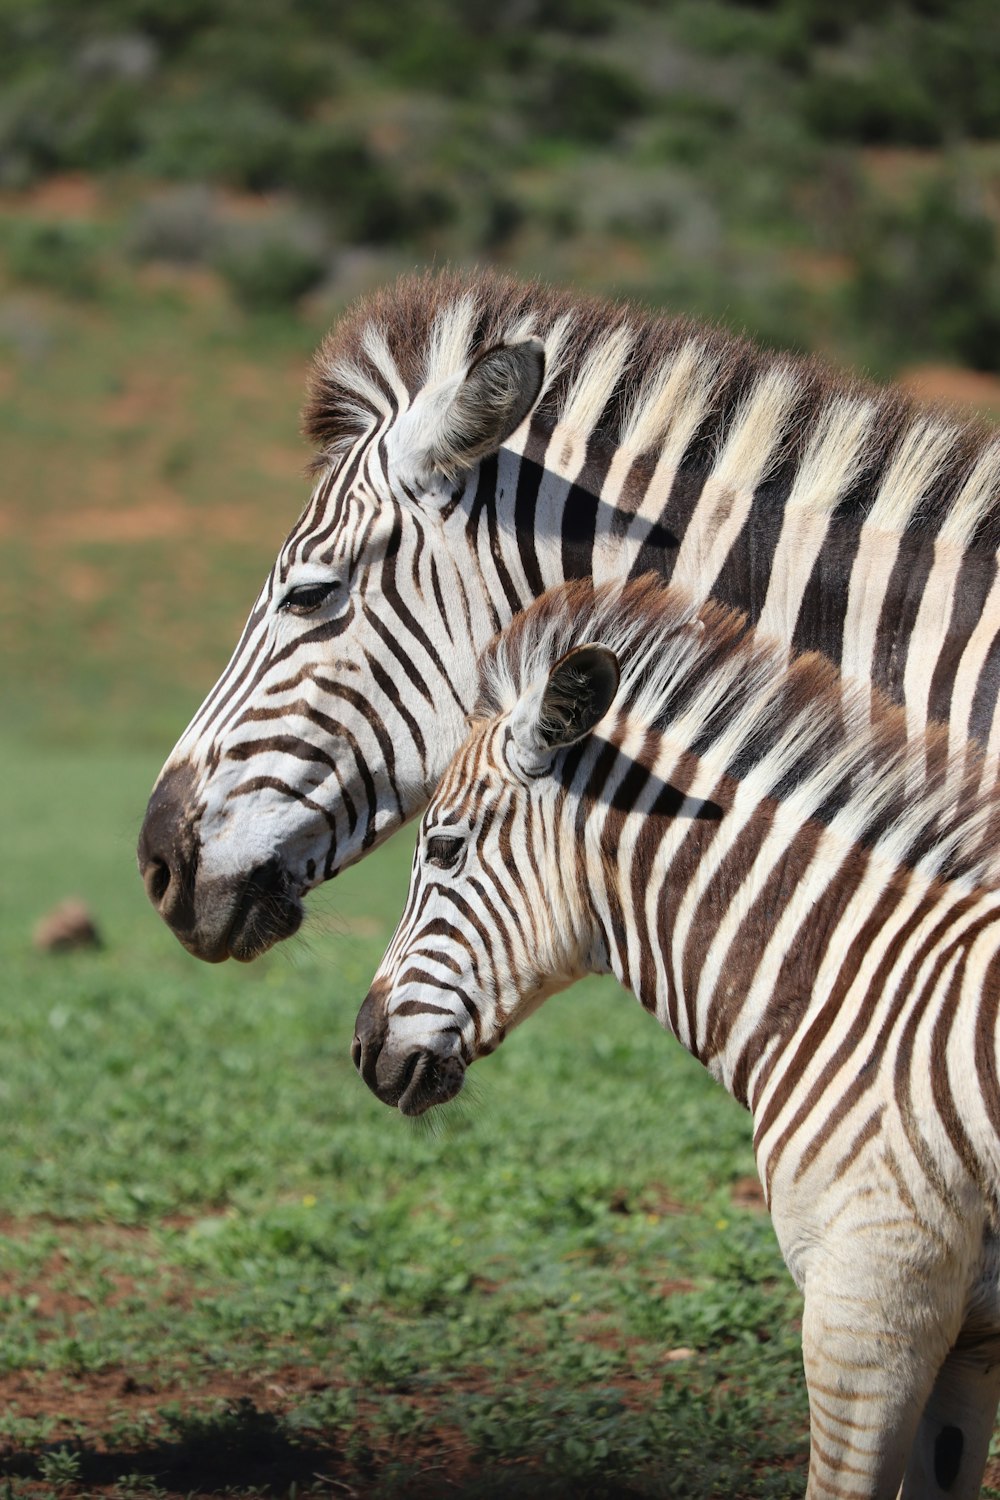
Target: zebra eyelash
{"points": [[443, 850], [306, 598]]}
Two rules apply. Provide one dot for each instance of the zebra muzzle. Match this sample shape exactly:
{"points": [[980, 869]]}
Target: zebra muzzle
{"points": [[429, 1080], [409, 1078], [413, 1080], [266, 911]]}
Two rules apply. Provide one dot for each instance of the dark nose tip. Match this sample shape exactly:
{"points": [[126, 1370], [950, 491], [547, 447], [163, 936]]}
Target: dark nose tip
{"points": [[167, 851], [369, 1035], [156, 877]]}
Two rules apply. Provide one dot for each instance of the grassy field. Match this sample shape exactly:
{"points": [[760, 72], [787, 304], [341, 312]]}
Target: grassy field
{"points": [[225, 1268]]}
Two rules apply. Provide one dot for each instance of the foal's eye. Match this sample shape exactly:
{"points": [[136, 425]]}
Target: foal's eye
{"points": [[443, 851], [307, 597]]}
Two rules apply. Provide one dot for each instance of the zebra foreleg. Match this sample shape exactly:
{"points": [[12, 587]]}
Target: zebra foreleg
{"points": [[953, 1438], [867, 1388]]}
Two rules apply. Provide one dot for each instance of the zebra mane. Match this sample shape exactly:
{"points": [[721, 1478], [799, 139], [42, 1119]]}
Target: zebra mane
{"points": [[665, 390], [792, 731]]}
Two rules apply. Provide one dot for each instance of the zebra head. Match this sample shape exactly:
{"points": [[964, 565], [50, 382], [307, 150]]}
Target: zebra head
{"points": [[494, 921], [347, 691]]}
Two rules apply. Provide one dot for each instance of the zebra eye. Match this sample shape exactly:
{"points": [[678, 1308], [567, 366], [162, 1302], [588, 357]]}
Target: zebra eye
{"points": [[308, 596], [443, 851]]}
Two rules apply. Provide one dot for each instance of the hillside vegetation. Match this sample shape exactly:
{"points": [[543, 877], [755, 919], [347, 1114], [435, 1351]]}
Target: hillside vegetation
{"points": [[225, 1268], [805, 167]]}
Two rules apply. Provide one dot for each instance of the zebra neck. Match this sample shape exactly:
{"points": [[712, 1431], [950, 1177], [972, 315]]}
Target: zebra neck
{"points": [[739, 925], [906, 999], [890, 607]]}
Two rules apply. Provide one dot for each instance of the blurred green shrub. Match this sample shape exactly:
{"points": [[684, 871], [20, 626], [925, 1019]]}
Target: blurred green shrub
{"points": [[578, 17], [181, 225], [504, 216], [52, 123], [724, 29], [581, 99], [913, 75], [269, 267], [278, 63], [456, 128], [240, 140], [928, 278], [694, 125], [440, 57], [61, 256], [335, 169], [885, 105], [367, 199]]}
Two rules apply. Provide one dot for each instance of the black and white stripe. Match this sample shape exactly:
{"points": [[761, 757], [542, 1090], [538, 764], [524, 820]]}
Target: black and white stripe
{"points": [[481, 440], [809, 899]]}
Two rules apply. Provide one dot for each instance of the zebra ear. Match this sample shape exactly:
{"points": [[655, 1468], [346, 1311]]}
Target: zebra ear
{"points": [[568, 705], [472, 414]]}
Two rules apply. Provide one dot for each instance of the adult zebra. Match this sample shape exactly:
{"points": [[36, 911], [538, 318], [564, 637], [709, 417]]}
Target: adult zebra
{"points": [[650, 790], [480, 440]]}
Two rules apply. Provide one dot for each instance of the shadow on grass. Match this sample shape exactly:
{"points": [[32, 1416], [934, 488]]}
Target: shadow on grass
{"points": [[248, 1451]]}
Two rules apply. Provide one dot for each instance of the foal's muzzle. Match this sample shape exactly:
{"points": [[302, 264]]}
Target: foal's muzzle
{"points": [[410, 1079]]}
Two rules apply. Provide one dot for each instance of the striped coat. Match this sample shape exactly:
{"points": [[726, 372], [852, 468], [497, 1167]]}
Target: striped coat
{"points": [[809, 899], [479, 440]]}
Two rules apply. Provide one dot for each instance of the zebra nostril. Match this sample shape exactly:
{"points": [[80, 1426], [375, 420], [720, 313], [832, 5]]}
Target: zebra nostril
{"points": [[409, 1069], [157, 879], [370, 1031]]}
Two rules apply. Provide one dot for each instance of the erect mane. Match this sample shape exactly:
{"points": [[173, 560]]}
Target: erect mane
{"points": [[640, 381], [797, 730]]}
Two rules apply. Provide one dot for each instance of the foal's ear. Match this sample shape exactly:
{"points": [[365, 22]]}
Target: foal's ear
{"points": [[450, 427], [571, 702]]}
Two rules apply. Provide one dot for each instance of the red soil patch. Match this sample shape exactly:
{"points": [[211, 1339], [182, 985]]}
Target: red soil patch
{"points": [[147, 394], [151, 520], [609, 259], [83, 583], [813, 269], [653, 1199], [663, 1289], [746, 1192], [108, 1235], [254, 382], [196, 285], [50, 1285], [249, 207], [159, 519], [93, 1402], [281, 461], [897, 168], [953, 386], [68, 196]]}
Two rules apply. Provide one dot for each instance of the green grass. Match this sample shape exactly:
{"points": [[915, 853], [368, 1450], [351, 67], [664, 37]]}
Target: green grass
{"points": [[138, 517], [224, 1266], [217, 1242]]}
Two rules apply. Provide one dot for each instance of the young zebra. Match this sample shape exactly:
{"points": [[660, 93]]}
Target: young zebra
{"points": [[480, 440], [788, 884]]}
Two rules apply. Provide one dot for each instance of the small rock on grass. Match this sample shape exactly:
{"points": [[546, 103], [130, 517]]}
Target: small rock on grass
{"points": [[67, 926]]}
